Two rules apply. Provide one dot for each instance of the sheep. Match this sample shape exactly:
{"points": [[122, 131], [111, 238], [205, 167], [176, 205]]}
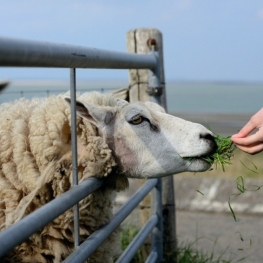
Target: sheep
{"points": [[116, 140]]}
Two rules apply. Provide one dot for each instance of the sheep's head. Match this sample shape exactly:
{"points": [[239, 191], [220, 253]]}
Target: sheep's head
{"points": [[146, 141]]}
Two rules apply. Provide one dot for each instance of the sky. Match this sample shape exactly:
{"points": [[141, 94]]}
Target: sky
{"points": [[204, 40]]}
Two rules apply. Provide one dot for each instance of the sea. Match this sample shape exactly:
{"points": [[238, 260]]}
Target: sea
{"points": [[181, 96]]}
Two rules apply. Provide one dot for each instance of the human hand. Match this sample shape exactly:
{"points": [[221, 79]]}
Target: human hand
{"points": [[253, 143]]}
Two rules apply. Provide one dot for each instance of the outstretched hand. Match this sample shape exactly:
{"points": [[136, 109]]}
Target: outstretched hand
{"points": [[253, 143]]}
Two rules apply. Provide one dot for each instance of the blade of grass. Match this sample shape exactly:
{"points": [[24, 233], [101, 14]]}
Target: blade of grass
{"points": [[249, 168], [240, 184], [199, 192], [232, 211]]}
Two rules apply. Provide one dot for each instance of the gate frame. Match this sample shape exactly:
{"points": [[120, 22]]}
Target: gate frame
{"points": [[27, 53]]}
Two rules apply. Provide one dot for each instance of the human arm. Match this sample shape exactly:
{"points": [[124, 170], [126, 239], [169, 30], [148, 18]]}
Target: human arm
{"points": [[251, 143]]}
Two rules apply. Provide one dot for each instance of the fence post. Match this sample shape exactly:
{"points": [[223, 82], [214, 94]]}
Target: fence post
{"points": [[140, 41]]}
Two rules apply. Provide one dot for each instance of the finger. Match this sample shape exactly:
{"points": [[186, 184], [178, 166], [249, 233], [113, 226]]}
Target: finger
{"points": [[251, 149], [248, 128], [250, 140]]}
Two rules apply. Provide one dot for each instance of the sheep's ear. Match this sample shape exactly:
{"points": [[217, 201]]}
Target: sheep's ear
{"points": [[93, 113]]}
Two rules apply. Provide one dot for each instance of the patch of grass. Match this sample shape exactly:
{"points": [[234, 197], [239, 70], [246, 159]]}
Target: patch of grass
{"points": [[126, 237], [185, 252], [224, 152]]}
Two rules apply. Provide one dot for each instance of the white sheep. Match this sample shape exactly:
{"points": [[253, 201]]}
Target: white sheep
{"points": [[116, 140]]}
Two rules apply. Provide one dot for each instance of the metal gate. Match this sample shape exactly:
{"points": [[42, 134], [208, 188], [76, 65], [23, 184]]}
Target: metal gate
{"points": [[22, 53]]}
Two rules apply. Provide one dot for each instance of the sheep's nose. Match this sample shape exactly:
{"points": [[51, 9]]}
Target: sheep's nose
{"points": [[209, 138], [206, 136]]}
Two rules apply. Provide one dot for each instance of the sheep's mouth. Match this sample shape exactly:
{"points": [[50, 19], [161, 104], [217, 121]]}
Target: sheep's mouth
{"points": [[207, 157], [201, 158]]}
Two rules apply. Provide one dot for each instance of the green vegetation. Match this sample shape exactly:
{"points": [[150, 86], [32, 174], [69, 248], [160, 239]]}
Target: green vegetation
{"points": [[240, 184], [185, 253], [224, 152], [127, 236]]}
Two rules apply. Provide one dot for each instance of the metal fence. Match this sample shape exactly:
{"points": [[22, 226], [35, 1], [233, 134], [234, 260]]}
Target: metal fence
{"points": [[23, 53]]}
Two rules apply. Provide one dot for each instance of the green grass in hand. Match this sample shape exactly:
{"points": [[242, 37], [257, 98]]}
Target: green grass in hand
{"points": [[224, 152]]}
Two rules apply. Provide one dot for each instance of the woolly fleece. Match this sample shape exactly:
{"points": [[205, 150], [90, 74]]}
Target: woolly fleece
{"points": [[35, 157]]}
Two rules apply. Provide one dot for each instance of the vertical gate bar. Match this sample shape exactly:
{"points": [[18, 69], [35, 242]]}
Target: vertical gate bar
{"points": [[155, 95], [157, 234], [155, 87], [74, 151]]}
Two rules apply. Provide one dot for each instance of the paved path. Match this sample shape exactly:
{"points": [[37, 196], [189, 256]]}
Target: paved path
{"points": [[208, 217], [209, 228]]}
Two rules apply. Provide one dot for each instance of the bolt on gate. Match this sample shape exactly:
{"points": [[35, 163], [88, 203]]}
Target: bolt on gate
{"points": [[24, 53]]}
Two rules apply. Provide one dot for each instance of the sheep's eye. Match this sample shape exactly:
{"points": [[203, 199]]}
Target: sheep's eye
{"points": [[137, 120]]}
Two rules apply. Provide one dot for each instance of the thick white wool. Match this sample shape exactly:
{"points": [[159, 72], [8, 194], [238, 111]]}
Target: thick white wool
{"points": [[35, 156]]}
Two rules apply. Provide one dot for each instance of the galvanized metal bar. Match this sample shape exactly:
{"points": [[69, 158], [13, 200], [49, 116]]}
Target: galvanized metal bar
{"points": [[74, 151], [157, 234], [20, 231], [73, 125], [155, 91], [27, 53], [155, 88], [86, 249], [136, 243], [152, 258]]}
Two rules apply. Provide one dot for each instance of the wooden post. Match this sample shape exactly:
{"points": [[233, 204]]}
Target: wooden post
{"points": [[138, 41]]}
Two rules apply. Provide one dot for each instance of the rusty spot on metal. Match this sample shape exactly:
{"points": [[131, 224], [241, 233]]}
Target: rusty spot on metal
{"points": [[151, 42]]}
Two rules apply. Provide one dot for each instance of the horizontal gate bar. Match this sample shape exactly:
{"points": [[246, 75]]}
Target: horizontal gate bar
{"points": [[136, 243], [152, 257], [89, 246], [20, 231], [28, 53]]}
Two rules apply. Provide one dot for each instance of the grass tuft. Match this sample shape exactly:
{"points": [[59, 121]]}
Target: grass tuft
{"points": [[184, 253], [187, 254], [224, 152], [126, 237]]}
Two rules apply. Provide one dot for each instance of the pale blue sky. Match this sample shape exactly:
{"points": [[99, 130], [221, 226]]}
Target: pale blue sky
{"points": [[214, 40]]}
